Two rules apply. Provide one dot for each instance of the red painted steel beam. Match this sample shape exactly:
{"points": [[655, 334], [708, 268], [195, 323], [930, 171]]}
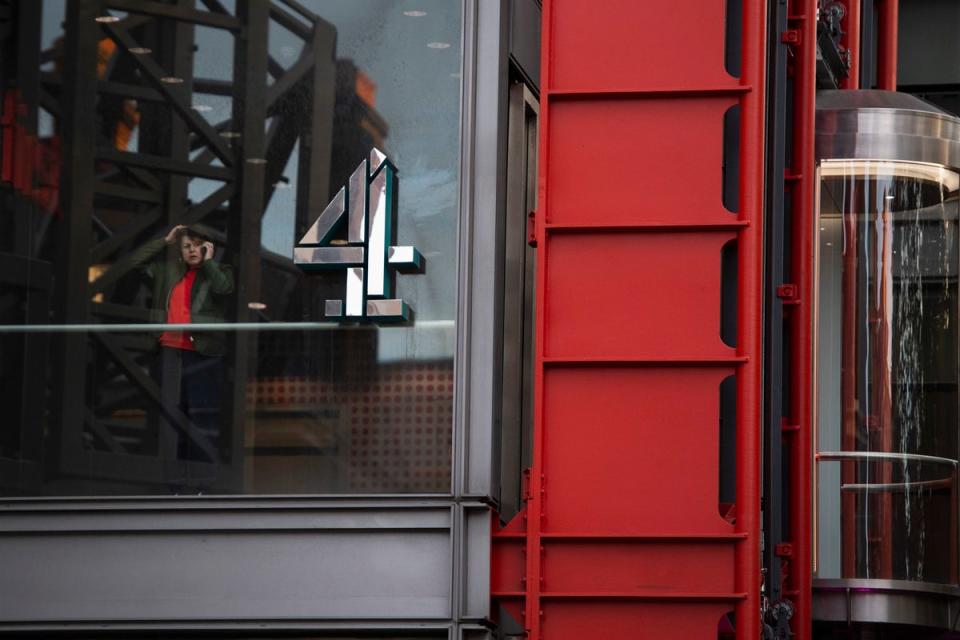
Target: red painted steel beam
{"points": [[749, 327], [851, 41], [803, 233], [623, 535], [533, 512], [889, 16]]}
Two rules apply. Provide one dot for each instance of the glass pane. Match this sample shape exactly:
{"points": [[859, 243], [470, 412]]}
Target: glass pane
{"points": [[218, 281], [888, 366]]}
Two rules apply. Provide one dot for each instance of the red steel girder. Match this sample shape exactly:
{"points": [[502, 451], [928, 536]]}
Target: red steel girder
{"points": [[622, 536], [800, 315]]}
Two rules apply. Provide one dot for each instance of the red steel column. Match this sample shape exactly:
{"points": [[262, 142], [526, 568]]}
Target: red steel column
{"points": [[624, 536], [851, 40], [803, 232], [750, 321], [887, 45], [533, 512]]}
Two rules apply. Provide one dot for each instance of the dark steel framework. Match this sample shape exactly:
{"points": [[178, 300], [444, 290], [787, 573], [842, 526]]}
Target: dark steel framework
{"points": [[111, 198]]}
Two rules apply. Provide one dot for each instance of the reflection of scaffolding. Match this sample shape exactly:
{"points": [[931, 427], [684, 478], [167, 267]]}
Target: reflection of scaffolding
{"points": [[111, 200]]}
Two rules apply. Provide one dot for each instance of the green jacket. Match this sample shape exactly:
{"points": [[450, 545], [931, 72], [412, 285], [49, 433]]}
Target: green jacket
{"points": [[208, 296]]}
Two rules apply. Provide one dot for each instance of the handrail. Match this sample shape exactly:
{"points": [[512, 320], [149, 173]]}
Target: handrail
{"points": [[884, 456], [941, 483]]}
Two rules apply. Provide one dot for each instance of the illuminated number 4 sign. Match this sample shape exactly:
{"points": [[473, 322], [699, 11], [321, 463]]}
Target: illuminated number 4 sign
{"points": [[368, 204]]}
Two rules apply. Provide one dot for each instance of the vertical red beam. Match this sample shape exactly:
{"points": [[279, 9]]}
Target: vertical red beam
{"points": [[659, 560], [749, 327], [534, 507], [887, 45], [803, 232], [851, 40]]}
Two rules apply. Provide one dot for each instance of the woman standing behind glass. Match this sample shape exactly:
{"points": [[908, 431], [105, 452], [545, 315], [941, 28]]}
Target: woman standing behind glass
{"points": [[192, 289]]}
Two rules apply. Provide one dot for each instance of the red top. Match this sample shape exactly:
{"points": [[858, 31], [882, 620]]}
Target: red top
{"points": [[178, 312]]}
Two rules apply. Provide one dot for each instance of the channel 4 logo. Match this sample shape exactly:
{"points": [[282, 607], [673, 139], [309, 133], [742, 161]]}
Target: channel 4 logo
{"points": [[368, 206]]}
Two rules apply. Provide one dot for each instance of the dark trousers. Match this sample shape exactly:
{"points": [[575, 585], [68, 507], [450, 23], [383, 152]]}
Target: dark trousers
{"points": [[191, 383]]}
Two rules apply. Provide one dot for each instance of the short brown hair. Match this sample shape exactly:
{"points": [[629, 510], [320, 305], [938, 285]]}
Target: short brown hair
{"points": [[191, 233]]}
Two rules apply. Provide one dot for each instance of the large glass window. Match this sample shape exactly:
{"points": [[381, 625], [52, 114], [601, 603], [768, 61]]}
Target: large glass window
{"points": [[228, 234]]}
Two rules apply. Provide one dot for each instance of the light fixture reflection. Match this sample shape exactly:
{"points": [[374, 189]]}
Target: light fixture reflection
{"points": [[916, 170], [415, 13], [438, 45], [107, 19]]}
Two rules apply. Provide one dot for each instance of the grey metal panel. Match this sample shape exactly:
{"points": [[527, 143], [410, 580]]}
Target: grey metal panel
{"points": [[882, 602], [225, 564], [475, 595], [484, 158], [885, 125], [525, 39], [175, 519], [225, 576]]}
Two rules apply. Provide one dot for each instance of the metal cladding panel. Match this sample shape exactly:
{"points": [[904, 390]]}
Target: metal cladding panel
{"points": [[660, 290], [641, 446], [630, 160], [658, 567], [624, 42], [623, 531], [637, 620], [248, 561], [210, 575]]}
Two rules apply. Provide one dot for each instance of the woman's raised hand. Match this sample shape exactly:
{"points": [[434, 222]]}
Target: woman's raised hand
{"points": [[171, 236]]}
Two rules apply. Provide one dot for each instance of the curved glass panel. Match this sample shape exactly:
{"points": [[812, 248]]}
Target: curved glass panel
{"points": [[887, 371]]}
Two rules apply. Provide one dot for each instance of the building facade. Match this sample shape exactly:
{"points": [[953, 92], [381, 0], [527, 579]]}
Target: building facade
{"points": [[391, 318], [313, 445]]}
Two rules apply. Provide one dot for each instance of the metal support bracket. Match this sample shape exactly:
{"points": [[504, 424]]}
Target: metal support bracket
{"points": [[790, 36], [788, 293]]}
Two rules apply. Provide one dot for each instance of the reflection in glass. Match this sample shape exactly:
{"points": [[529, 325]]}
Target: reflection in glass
{"points": [[303, 393], [888, 371]]}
